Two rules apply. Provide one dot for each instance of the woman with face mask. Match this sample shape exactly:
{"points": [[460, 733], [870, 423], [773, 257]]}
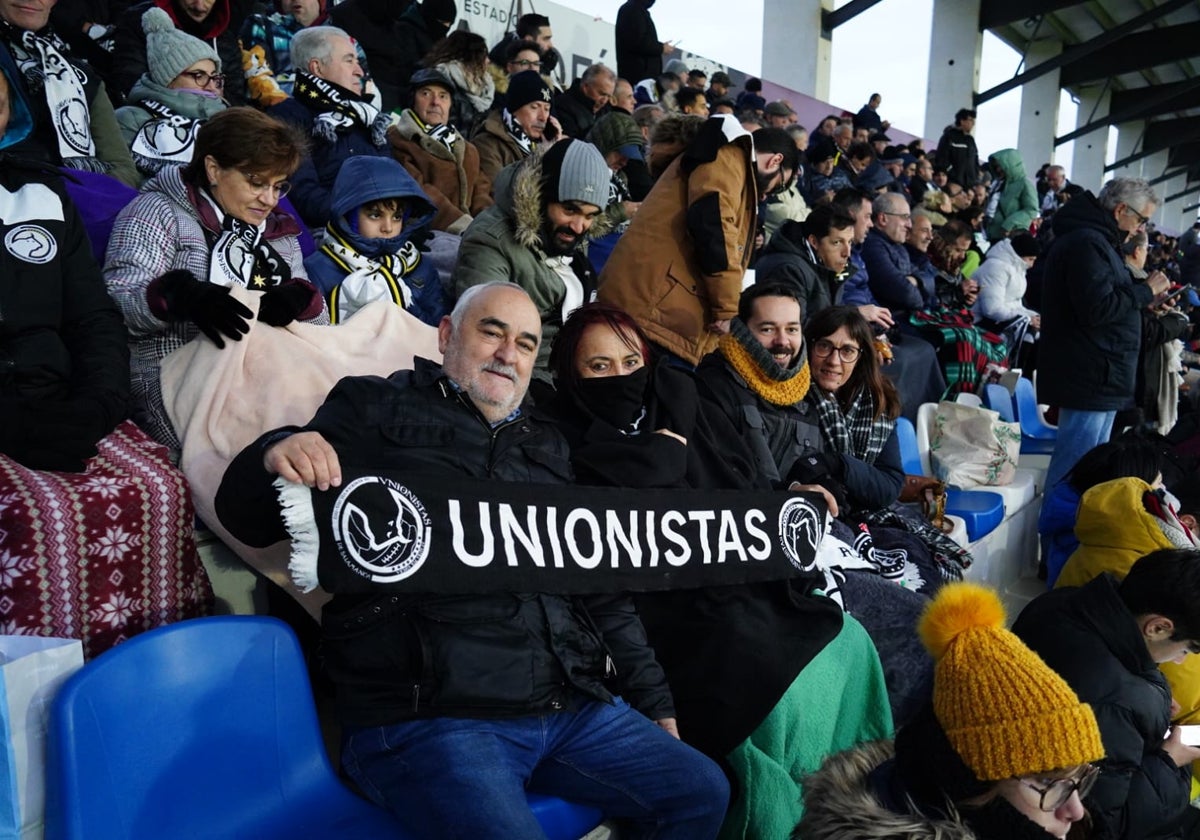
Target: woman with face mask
{"points": [[182, 87], [745, 663]]}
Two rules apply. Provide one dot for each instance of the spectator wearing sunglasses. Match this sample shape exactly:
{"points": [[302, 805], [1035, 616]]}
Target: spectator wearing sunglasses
{"points": [[182, 87], [1004, 750]]}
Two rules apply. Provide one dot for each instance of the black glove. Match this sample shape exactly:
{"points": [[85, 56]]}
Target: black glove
{"points": [[824, 468], [283, 304], [207, 305]]}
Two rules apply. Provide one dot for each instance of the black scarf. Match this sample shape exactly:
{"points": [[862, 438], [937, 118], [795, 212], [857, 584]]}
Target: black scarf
{"points": [[339, 110], [617, 400]]}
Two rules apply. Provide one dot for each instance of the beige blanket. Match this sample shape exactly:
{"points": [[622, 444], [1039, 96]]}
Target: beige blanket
{"points": [[222, 400]]}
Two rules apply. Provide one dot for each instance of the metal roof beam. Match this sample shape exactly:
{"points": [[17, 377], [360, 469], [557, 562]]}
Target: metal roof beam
{"points": [[1133, 53], [1180, 195], [833, 18], [994, 13], [1136, 109], [1167, 176], [1081, 51]]}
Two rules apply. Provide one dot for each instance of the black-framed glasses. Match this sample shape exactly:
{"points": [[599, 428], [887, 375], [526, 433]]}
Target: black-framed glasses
{"points": [[202, 78], [848, 353], [526, 64], [1056, 794], [259, 186], [1142, 220]]}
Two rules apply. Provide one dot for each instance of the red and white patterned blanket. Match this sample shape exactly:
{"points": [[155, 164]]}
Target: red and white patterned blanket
{"points": [[100, 555]]}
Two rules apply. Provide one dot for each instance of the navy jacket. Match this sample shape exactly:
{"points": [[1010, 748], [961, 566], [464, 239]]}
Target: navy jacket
{"points": [[1091, 313], [888, 267]]}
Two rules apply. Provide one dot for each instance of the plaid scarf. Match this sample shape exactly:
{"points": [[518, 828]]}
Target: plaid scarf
{"points": [[854, 431], [964, 350], [517, 133], [339, 110]]}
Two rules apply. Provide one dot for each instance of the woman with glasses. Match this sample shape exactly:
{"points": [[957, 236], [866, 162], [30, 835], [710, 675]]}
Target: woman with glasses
{"points": [[182, 87], [1003, 752], [192, 234]]}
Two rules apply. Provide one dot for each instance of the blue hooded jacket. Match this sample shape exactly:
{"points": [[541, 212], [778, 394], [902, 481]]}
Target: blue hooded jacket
{"points": [[20, 120], [363, 179]]}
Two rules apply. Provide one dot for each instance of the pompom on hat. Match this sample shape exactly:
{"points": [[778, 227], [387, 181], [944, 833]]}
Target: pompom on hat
{"points": [[1004, 711], [168, 51]]}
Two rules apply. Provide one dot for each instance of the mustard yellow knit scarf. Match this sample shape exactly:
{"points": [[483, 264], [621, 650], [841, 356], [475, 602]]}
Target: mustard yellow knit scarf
{"points": [[752, 362]]}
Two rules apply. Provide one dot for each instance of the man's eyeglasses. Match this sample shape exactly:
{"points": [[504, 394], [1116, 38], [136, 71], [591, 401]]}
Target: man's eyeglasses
{"points": [[203, 79], [1142, 220], [259, 186], [526, 64], [1056, 794], [848, 353]]}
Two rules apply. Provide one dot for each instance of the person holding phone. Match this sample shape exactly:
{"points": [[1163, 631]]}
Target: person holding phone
{"points": [[518, 128], [1156, 389]]}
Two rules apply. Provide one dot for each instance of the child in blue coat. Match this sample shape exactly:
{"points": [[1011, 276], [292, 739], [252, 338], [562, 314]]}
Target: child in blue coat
{"points": [[370, 251]]}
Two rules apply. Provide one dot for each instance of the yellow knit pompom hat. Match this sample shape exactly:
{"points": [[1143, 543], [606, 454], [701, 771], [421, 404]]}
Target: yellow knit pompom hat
{"points": [[1005, 712]]}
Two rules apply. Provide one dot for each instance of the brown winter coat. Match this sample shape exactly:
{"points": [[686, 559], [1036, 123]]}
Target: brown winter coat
{"points": [[497, 148], [679, 266], [453, 180]]}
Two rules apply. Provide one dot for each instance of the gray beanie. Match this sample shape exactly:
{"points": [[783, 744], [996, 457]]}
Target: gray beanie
{"points": [[168, 51], [574, 170]]}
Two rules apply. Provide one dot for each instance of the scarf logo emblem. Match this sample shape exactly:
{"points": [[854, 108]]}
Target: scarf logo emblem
{"points": [[72, 119], [381, 529], [800, 525], [31, 244]]}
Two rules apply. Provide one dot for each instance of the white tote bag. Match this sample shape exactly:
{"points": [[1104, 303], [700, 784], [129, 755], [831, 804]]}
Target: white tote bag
{"points": [[32, 668]]}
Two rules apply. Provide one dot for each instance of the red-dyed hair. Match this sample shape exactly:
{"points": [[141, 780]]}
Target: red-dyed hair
{"points": [[566, 343]]}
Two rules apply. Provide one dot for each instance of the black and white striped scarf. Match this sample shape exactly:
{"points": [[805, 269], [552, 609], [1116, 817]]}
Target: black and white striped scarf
{"points": [[517, 133], [338, 110]]}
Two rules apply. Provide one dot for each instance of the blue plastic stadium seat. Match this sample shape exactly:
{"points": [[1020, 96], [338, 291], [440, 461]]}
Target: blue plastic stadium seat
{"points": [[207, 728], [1000, 399], [1032, 424]]}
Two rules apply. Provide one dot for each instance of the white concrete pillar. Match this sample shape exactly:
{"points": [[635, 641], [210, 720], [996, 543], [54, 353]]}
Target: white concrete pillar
{"points": [[1172, 213], [955, 46], [1152, 167], [794, 54], [1039, 108], [1129, 142], [1090, 149]]}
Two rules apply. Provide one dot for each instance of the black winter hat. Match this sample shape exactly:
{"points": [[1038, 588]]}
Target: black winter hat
{"points": [[525, 87]]}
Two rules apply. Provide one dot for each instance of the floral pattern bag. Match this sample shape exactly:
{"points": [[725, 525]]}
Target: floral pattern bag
{"points": [[971, 446]]}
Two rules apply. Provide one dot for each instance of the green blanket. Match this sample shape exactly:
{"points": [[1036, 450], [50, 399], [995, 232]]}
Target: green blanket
{"points": [[838, 701]]}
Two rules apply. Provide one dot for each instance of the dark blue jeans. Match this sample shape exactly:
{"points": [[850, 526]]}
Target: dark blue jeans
{"points": [[467, 777]]}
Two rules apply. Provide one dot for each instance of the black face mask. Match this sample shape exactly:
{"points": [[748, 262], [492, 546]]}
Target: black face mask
{"points": [[617, 400]]}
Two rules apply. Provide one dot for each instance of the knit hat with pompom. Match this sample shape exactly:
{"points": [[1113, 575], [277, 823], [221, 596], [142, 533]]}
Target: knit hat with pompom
{"points": [[168, 51], [1004, 711]]}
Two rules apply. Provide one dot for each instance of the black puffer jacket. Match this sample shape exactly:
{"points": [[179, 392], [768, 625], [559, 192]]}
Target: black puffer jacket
{"points": [[394, 657], [958, 155], [1091, 313], [62, 339], [789, 259], [1088, 636]]}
